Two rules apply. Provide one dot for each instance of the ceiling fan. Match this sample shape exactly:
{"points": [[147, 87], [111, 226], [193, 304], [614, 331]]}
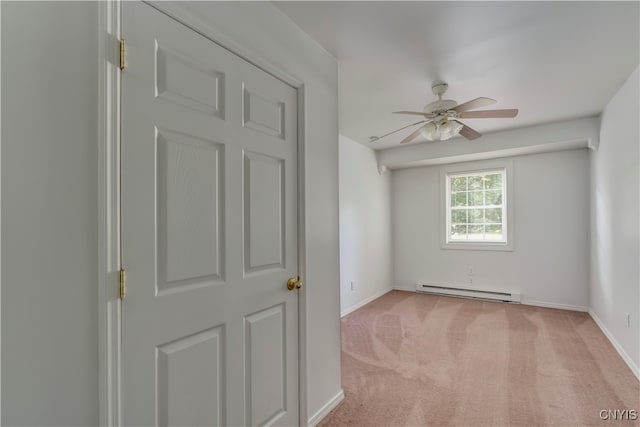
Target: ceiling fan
{"points": [[441, 117]]}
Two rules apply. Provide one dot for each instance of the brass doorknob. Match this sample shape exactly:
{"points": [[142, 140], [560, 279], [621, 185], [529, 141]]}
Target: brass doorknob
{"points": [[294, 283]]}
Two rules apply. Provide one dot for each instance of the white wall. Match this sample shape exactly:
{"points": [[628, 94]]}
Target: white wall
{"points": [[550, 262], [615, 253], [49, 214], [365, 226]]}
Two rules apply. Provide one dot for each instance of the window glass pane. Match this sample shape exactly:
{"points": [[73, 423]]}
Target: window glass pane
{"points": [[493, 197], [459, 183], [459, 199], [493, 215], [458, 216], [475, 216], [493, 232], [459, 232], [493, 181], [476, 232], [475, 182], [476, 198], [476, 207]]}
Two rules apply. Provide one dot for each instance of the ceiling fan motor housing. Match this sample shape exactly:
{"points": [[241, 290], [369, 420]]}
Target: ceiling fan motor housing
{"points": [[440, 105]]}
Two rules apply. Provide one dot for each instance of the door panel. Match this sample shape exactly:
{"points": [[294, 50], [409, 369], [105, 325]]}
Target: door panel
{"points": [[262, 114], [264, 221], [187, 396], [185, 80], [189, 212], [209, 222], [265, 358]]}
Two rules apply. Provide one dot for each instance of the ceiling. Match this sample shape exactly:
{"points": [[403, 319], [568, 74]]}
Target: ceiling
{"points": [[552, 60]]}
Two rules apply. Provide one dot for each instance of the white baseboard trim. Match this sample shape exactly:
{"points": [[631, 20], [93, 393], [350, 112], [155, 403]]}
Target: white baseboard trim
{"points": [[404, 288], [324, 411], [524, 301], [364, 302], [615, 344], [554, 305]]}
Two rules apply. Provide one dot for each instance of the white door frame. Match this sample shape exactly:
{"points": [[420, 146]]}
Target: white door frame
{"points": [[108, 214], [0, 223], [109, 309]]}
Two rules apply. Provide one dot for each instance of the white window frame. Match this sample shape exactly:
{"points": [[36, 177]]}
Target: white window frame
{"points": [[471, 168]]}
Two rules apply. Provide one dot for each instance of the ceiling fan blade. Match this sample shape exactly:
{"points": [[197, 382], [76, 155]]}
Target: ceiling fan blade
{"points": [[468, 132], [488, 114], [473, 104], [414, 113], [378, 138], [412, 135]]}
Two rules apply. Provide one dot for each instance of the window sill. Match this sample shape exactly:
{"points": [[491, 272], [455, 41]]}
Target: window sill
{"points": [[478, 246]]}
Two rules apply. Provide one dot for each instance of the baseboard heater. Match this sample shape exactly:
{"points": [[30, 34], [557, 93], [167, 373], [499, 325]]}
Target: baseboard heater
{"points": [[469, 293]]}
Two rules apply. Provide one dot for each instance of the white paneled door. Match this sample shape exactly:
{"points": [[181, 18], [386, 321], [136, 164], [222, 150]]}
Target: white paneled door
{"points": [[209, 232]]}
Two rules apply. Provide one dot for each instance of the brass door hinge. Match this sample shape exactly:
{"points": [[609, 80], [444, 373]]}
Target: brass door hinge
{"points": [[122, 284], [123, 53]]}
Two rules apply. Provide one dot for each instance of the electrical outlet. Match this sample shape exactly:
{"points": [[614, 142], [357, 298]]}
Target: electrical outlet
{"points": [[353, 286], [627, 317], [469, 271], [470, 280]]}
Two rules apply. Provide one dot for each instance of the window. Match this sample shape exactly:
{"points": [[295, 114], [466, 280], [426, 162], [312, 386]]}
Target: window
{"points": [[476, 208]]}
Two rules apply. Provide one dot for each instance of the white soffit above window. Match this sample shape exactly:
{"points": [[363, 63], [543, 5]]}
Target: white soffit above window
{"points": [[574, 134]]}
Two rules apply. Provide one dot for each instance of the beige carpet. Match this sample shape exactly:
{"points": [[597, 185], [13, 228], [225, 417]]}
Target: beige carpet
{"points": [[416, 360]]}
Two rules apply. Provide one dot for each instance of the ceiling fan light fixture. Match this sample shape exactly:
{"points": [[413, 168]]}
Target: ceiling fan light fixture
{"points": [[445, 136], [441, 131], [447, 130], [430, 131], [457, 127]]}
